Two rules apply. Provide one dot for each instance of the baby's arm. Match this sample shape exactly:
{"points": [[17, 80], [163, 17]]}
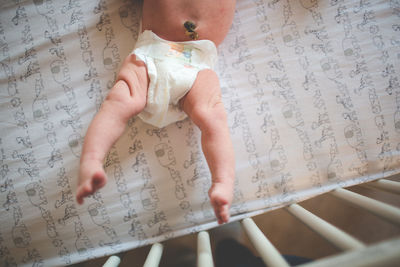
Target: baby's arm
{"points": [[126, 99], [204, 106]]}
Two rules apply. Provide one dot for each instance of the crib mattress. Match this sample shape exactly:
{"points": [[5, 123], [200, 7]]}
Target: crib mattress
{"points": [[311, 88]]}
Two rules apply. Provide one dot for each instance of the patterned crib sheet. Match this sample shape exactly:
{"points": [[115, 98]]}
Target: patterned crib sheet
{"points": [[313, 96]]}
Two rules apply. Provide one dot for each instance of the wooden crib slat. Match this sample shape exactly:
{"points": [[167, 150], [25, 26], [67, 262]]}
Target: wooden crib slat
{"points": [[383, 210], [112, 261], [386, 185], [386, 253], [204, 254], [154, 256], [267, 251], [332, 234]]}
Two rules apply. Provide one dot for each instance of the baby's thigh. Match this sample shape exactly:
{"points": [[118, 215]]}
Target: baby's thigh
{"points": [[205, 90], [134, 72]]}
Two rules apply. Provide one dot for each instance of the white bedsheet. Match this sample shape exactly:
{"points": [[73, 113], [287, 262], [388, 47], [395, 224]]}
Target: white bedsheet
{"points": [[311, 87]]}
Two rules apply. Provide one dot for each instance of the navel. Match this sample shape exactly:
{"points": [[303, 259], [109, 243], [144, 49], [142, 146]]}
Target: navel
{"points": [[190, 30]]}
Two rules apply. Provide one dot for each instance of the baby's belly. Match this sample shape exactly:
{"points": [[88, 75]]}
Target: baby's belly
{"points": [[166, 18]]}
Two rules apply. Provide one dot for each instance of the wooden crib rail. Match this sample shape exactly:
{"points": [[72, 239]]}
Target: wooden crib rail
{"points": [[380, 209], [154, 256], [267, 251], [382, 254], [385, 185], [332, 234], [355, 252], [204, 254]]}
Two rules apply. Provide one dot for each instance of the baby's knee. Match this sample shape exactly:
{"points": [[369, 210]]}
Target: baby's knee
{"points": [[126, 99], [208, 115], [207, 77]]}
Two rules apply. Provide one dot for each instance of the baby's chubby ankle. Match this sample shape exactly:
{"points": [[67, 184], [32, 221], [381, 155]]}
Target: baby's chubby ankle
{"points": [[90, 157]]}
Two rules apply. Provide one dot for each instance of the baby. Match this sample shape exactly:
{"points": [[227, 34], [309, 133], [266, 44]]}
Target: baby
{"points": [[167, 77]]}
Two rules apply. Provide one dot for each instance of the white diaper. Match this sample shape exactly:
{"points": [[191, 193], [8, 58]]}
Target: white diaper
{"points": [[172, 68]]}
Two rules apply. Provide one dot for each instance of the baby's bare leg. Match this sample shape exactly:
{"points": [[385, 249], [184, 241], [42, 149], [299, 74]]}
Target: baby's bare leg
{"points": [[203, 105], [126, 99]]}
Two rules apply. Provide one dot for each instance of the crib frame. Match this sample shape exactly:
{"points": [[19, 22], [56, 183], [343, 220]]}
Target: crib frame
{"points": [[353, 252]]}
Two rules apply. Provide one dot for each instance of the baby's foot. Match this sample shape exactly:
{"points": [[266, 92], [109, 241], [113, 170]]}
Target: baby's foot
{"points": [[221, 200], [91, 178]]}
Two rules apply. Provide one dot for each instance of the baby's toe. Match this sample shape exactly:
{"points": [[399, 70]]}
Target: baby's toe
{"points": [[83, 191], [224, 214]]}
